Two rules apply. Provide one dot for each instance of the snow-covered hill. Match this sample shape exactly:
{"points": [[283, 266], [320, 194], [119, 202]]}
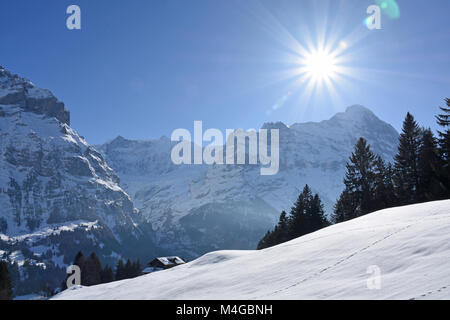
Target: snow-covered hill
{"points": [[410, 246], [197, 209]]}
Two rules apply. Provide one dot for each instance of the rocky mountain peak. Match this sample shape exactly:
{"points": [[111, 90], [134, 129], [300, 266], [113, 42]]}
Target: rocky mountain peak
{"points": [[274, 125], [21, 92], [58, 195], [356, 113]]}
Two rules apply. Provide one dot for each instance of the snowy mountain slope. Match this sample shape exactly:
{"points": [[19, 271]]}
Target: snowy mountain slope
{"points": [[410, 246], [196, 209], [57, 193]]}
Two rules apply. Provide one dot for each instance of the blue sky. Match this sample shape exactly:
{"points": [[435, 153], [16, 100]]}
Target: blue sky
{"points": [[142, 68]]}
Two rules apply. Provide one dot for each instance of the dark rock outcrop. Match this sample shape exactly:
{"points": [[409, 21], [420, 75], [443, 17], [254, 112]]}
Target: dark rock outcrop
{"points": [[18, 91]]}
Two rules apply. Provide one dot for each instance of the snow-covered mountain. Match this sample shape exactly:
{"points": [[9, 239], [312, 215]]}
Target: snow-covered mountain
{"points": [[194, 209], [400, 253], [57, 193]]}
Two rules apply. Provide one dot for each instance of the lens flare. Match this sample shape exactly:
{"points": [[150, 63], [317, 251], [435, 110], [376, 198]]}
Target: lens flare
{"points": [[368, 21], [389, 8]]}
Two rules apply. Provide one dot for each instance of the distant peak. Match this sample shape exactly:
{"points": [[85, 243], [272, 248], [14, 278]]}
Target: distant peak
{"points": [[357, 108], [274, 125], [356, 113], [119, 139]]}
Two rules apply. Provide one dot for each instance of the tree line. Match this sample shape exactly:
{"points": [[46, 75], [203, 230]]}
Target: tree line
{"points": [[93, 274], [420, 173], [6, 292]]}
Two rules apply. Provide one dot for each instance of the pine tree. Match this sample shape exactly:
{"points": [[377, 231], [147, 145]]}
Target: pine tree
{"points": [[14, 274], [120, 271], [299, 214], [307, 215], [5, 282], [92, 271], [107, 275], [358, 197], [430, 187], [383, 184], [137, 269], [381, 200], [339, 210], [282, 234], [406, 162], [266, 241], [317, 215], [128, 269], [80, 262], [443, 121], [390, 186]]}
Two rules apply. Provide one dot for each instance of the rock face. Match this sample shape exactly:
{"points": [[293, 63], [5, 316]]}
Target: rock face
{"points": [[197, 208], [17, 91], [57, 194]]}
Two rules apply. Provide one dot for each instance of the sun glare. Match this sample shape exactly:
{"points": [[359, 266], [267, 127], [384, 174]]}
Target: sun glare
{"points": [[320, 66]]}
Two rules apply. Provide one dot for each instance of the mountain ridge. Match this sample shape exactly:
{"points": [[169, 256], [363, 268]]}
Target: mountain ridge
{"points": [[177, 200], [15, 90]]}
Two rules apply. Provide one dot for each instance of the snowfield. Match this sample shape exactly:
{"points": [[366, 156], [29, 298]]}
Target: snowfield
{"points": [[410, 246]]}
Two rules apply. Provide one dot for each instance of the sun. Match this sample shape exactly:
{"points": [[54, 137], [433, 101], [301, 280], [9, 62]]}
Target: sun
{"points": [[320, 66]]}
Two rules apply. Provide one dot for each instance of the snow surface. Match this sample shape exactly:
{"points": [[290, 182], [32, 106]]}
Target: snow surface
{"points": [[410, 245]]}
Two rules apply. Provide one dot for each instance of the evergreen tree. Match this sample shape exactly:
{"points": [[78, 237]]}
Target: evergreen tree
{"points": [[431, 187], [390, 186], [5, 282], [14, 274], [120, 271], [282, 233], [383, 184], [299, 219], [92, 271], [266, 241], [443, 121], [137, 269], [45, 289], [107, 275], [406, 162], [307, 215], [128, 269], [317, 215], [80, 262], [358, 197]]}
